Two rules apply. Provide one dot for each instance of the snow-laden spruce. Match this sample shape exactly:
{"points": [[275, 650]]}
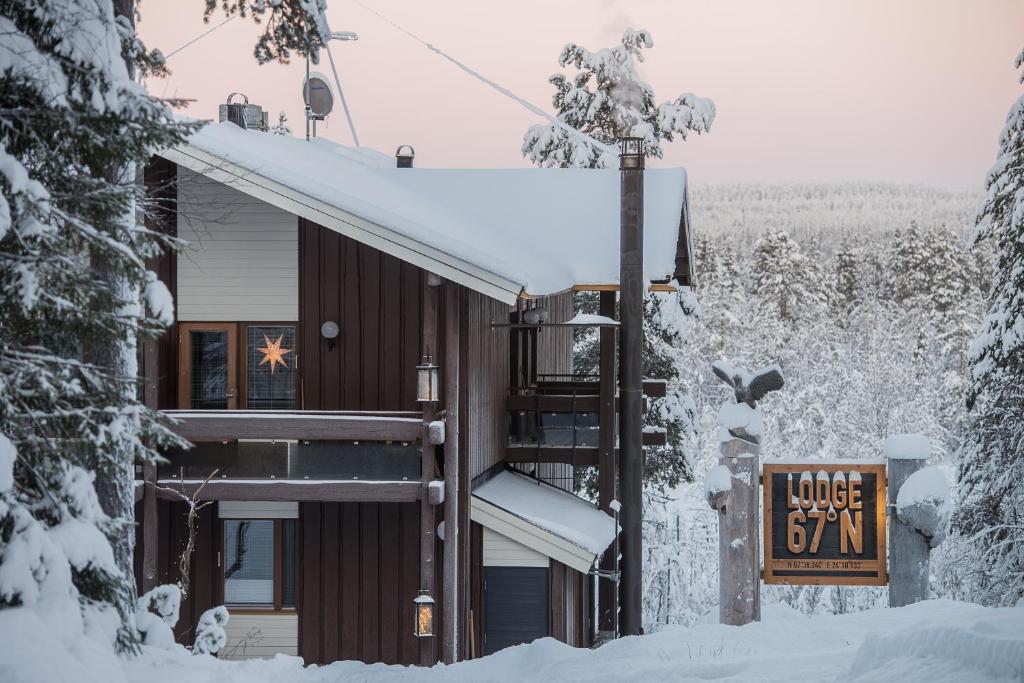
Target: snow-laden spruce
{"points": [[608, 100], [75, 296], [992, 458]]}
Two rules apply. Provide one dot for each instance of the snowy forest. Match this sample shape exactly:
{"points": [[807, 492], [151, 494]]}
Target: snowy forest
{"points": [[867, 296]]}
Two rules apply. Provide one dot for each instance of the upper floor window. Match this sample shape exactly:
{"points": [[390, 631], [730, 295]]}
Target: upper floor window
{"points": [[270, 374], [224, 366]]}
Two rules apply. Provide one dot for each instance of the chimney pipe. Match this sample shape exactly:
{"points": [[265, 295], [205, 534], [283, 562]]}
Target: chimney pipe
{"points": [[404, 159], [631, 342]]}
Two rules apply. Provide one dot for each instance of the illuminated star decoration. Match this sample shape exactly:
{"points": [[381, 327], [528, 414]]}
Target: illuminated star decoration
{"points": [[273, 353]]}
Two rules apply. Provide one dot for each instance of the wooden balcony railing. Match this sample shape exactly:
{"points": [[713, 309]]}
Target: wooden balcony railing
{"points": [[230, 425], [558, 422]]}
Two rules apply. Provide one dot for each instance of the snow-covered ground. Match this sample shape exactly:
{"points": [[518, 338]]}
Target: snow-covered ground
{"points": [[934, 641]]}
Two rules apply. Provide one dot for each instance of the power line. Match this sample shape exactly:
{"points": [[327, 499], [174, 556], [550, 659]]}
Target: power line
{"points": [[200, 36], [529, 106]]}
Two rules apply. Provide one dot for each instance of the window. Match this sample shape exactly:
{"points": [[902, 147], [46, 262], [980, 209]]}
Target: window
{"points": [[270, 376], [259, 563], [206, 371], [212, 361]]}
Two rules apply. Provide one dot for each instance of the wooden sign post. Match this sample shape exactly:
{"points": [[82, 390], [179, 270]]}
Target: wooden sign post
{"points": [[824, 523]]}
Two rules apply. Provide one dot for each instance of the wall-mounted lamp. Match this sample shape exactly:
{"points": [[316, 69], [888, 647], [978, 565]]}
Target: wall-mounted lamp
{"points": [[424, 626], [535, 316], [329, 331], [426, 381]]}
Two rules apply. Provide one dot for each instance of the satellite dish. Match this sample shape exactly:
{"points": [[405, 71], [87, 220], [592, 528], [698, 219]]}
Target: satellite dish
{"points": [[317, 94]]}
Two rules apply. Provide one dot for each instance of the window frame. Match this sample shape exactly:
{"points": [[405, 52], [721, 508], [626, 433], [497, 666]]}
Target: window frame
{"points": [[243, 365], [185, 361], [277, 606], [238, 360]]}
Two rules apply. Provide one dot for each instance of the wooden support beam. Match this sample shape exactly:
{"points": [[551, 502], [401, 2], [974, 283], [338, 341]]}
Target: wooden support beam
{"points": [[581, 456], [450, 602], [655, 388], [347, 491], [654, 287], [229, 425], [559, 403], [428, 341]]}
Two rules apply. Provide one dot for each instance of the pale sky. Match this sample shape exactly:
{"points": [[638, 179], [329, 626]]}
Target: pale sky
{"points": [[911, 91]]}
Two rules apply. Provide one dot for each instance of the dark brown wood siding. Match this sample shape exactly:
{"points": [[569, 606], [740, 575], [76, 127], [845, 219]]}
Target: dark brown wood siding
{"points": [[376, 301], [359, 569], [554, 345], [204, 577], [161, 215], [570, 622], [486, 383]]}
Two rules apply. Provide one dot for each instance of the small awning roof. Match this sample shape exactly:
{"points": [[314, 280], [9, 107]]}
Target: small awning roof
{"points": [[545, 518], [501, 232]]}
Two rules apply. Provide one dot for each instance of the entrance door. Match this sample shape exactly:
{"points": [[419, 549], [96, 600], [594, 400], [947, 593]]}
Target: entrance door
{"points": [[516, 608], [207, 369]]}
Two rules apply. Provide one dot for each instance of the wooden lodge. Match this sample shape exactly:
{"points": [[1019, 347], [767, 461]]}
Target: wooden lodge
{"points": [[321, 295]]}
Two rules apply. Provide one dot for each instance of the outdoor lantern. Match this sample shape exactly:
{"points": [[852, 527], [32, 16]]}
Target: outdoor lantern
{"points": [[329, 331], [426, 381], [424, 627]]}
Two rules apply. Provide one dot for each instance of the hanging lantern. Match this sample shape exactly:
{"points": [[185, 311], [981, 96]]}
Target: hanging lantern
{"points": [[424, 627], [426, 381]]}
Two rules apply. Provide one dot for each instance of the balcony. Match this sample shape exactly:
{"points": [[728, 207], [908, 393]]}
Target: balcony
{"points": [[296, 455], [558, 420]]}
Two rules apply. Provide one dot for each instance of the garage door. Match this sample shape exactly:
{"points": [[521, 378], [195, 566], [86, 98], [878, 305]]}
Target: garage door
{"points": [[515, 606]]}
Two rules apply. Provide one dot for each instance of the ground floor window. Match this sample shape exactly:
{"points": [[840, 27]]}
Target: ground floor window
{"points": [[259, 563]]}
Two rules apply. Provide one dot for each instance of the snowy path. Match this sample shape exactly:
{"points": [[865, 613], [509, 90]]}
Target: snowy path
{"points": [[935, 642]]}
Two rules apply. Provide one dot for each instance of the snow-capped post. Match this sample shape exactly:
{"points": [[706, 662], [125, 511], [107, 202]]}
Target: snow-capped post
{"points": [[631, 342], [733, 489], [918, 509]]}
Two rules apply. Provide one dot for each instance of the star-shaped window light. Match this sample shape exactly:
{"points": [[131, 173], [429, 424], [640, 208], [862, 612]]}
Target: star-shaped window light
{"points": [[273, 353]]}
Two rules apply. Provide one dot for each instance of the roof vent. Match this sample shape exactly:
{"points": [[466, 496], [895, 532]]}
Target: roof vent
{"points": [[244, 115], [404, 159]]}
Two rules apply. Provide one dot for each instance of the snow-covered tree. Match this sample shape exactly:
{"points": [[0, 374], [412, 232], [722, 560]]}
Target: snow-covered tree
{"points": [[787, 280], [847, 280], [291, 25], [992, 464], [75, 295], [72, 267], [281, 127], [608, 100]]}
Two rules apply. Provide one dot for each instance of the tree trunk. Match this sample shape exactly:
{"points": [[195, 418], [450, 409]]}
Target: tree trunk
{"points": [[115, 478]]}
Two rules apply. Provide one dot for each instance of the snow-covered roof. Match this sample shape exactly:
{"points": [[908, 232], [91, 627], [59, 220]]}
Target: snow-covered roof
{"points": [[540, 516], [501, 231]]}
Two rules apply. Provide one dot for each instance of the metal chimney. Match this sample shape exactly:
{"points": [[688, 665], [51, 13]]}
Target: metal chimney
{"points": [[244, 115], [404, 159], [631, 343]]}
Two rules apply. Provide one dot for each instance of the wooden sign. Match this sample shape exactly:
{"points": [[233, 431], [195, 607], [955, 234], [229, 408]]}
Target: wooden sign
{"points": [[824, 523]]}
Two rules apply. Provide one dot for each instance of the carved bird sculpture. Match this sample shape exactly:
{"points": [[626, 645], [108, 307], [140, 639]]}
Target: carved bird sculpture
{"points": [[749, 387]]}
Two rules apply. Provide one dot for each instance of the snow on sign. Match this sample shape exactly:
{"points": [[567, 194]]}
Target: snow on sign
{"points": [[824, 523]]}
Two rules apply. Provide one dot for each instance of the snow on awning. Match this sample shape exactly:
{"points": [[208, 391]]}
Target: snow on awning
{"points": [[500, 232], [547, 519]]}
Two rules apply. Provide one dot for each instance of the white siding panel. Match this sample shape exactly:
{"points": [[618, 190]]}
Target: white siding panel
{"points": [[261, 635], [242, 260], [502, 551], [257, 509]]}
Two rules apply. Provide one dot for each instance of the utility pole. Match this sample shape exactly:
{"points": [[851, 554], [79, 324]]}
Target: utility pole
{"points": [[631, 342]]}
